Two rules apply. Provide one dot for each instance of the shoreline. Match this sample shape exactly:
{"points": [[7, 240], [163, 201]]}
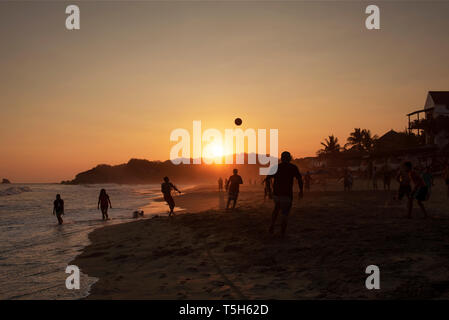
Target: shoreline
{"points": [[332, 237], [158, 199]]}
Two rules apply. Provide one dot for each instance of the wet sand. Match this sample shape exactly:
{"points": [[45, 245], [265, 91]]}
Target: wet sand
{"points": [[207, 253]]}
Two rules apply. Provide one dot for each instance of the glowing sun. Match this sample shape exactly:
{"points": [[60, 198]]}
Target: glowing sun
{"points": [[216, 150]]}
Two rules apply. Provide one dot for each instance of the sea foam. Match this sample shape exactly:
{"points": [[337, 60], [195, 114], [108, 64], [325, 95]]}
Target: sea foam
{"points": [[14, 190]]}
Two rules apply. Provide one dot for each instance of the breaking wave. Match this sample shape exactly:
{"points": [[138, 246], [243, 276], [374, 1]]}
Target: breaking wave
{"points": [[14, 190]]}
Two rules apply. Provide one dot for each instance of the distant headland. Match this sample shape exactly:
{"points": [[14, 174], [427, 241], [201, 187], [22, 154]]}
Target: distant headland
{"points": [[141, 171]]}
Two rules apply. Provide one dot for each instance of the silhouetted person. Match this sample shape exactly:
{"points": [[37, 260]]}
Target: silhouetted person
{"points": [[267, 188], [347, 180], [419, 191], [387, 179], [283, 190], [233, 187], [374, 178], [428, 180], [307, 181], [166, 188], [104, 203], [350, 180], [446, 178], [405, 187], [58, 208], [226, 184], [220, 184]]}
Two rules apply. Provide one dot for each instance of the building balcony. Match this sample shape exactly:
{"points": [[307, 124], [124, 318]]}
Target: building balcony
{"points": [[421, 124]]}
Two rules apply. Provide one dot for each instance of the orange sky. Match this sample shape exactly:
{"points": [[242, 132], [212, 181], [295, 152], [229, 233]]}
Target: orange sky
{"points": [[115, 89]]}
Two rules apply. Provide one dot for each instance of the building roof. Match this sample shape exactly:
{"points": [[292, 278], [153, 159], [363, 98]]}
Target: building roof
{"points": [[389, 136], [440, 97], [419, 111]]}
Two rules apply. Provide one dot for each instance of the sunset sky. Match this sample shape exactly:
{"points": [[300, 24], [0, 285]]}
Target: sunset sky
{"points": [[115, 89]]}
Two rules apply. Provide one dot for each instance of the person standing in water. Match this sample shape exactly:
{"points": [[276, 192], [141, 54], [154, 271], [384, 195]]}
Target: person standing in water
{"points": [[104, 202], [166, 188], [283, 190], [220, 184], [233, 187], [58, 208]]}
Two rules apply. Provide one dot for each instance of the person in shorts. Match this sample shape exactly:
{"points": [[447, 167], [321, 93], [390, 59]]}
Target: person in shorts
{"points": [[233, 187], [283, 190], [166, 188]]}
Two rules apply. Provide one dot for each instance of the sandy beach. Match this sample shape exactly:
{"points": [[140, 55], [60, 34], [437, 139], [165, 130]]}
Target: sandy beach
{"points": [[207, 253]]}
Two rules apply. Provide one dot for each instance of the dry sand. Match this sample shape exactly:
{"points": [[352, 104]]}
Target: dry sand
{"points": [[333, 236]]}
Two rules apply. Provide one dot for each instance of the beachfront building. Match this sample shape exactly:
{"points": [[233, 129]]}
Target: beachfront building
{"points": [[432, 122]]}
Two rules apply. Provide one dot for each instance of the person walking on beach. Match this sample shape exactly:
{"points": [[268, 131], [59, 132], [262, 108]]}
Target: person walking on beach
{"points": [[104, 203], [283, 190], [58, 208], [307, 181], [226, 184], [233, 187], [387, 178], [419, 191], [220, 184], [166, 188], [267, 189]]}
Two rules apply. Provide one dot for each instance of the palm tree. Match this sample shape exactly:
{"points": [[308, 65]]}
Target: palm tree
{"points": [[362, 140], [355, 139], [368, 141], [331, 146]]}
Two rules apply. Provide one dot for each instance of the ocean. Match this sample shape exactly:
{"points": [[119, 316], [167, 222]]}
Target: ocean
{"points": [[35, 250]]}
